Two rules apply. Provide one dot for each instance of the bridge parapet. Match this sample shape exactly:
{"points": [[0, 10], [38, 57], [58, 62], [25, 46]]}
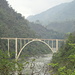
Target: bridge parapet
{"points": [[36, 39]]}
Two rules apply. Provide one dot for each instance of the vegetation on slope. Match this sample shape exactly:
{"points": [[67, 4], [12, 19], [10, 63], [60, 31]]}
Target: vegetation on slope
{"points": [[65, 27], [63, 62], [44, 32], [12, 24]]}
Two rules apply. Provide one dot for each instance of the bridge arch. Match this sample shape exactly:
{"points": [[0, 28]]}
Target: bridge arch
{"points": [[31, 42]]}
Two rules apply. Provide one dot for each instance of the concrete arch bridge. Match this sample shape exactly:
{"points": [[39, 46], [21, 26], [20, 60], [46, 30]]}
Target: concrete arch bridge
{"points": [[53, 44]]}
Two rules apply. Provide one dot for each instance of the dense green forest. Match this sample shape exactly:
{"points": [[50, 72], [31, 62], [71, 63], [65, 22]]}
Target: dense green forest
{"points": [[12, 24], [63, 62]]}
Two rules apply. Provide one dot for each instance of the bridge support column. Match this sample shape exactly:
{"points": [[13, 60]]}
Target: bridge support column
{"points": [[8, 48], [52, 44], [20, 43], [16, 66], [16, 48], [56, 45]]}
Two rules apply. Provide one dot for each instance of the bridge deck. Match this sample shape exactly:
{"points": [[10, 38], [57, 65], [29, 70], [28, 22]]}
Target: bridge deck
{"points": [[33, 38]]}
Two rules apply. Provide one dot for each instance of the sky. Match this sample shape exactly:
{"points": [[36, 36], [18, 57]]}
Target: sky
{"points": [[32, 7]]}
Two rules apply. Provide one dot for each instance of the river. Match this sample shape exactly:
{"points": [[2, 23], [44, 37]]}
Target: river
{"points": [[37, 65]]}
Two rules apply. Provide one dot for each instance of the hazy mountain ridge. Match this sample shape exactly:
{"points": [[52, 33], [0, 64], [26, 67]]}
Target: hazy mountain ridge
{"points": [[44, 32], [59, 18], [50, 13], [62, 12], [66, 26]]}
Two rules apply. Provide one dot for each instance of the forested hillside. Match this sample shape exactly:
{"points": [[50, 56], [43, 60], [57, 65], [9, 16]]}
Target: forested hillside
{"points": [[63, 62], [12, 24], [66, 26]]}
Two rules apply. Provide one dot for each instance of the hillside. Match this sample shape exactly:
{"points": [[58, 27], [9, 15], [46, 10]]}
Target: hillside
{"points": [[55, 17], [51, 14], [63, 62], [12, 24], [43, 32], [66, 26]]}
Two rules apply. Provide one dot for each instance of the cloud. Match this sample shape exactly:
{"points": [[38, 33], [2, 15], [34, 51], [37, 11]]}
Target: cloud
{"points": [[30, 7]]}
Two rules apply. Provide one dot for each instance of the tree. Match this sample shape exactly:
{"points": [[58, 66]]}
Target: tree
{"points": [[65, 58]]}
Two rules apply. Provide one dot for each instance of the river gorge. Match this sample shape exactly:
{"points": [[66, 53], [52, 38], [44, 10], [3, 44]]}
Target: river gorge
{"points": [[38, 65]]}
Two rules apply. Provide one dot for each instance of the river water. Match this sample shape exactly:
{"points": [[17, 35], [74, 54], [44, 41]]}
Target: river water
{"points": [[37, 65]]}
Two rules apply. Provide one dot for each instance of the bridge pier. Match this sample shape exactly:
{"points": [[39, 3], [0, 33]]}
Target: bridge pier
{"points": [[16, 53], [20, 43], [56, 44], [16, 49], [52, 44], [8, 48]]}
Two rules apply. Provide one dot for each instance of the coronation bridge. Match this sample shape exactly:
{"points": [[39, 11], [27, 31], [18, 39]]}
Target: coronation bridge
{"points": [[53, 44]]}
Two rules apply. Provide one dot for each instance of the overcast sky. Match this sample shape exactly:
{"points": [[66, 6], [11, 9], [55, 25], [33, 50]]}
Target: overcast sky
{"points": [[32, 7]]}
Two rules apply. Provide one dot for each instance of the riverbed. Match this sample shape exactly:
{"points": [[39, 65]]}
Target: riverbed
{"points": [[37, 65]]}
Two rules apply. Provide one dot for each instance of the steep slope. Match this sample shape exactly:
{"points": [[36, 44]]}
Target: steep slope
{"points": [[12, 24]]}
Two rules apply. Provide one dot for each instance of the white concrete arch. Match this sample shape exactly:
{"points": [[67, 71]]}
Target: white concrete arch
{"points": [[31, 42]]}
